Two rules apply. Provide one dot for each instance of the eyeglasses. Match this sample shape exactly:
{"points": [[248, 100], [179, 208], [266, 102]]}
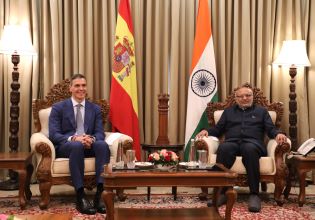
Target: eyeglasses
{"points": [[244, 96]]}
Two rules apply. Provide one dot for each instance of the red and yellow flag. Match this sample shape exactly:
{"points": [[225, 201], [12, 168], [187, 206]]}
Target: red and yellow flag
{"points": [[123, 95]]}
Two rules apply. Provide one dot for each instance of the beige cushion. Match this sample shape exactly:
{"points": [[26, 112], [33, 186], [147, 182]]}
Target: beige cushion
{"points": [[266, 164], [217, 115], [44, 119], [273, 116], [61, 167]]}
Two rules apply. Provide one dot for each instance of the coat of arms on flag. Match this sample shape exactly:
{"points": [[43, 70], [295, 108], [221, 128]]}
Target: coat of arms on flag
{"points": [[122, 62]]}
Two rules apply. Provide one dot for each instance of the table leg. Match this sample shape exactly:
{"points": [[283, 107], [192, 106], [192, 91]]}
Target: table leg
{"points": [[22, 179], [148, 193], [231, 198], [302, 175], [108, 198], [174, 192], [215, 195], [288, 186]]}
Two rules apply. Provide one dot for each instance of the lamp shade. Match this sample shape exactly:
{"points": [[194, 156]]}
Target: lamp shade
{"points": [[16, 38], [293, 53]]}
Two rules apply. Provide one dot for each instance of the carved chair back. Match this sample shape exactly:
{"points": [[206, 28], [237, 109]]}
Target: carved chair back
{"points": [[258, 99], [57, 93]]}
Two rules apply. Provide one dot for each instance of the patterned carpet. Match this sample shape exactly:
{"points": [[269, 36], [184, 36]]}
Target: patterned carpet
{"points": [[270, 210]]}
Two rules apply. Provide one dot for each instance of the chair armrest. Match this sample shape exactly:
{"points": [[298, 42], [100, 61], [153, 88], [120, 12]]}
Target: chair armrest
{"points": [[209, 144], [274, 150], [45, 153], [113, 144], [41, 139], [279, 155]]}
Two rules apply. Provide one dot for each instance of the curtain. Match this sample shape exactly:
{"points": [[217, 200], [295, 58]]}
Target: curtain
{"points": [[77, 36]]}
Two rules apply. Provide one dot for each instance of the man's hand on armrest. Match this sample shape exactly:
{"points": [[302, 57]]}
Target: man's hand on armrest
{"points": [[201, 134], [281, 138]]}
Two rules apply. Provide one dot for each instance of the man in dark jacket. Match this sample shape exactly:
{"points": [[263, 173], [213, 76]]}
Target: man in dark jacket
{"points": [[244, 126], [76, 130]]}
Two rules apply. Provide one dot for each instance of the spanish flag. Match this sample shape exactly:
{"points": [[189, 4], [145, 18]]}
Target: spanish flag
{"points": [[202, 86], [123, 95]]}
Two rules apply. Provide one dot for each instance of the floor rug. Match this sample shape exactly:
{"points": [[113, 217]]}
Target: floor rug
{"points": [[289, 211]]}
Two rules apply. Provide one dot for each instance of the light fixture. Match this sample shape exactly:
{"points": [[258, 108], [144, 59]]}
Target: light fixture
{"points": [[15, 41], [293, 54]]}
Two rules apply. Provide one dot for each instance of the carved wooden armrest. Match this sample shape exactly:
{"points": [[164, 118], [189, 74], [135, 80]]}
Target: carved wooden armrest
{"points": [[45, 153], [44, 166], [201, 144], [127, 145], [281, 167], [126, 142], [210, 144]]}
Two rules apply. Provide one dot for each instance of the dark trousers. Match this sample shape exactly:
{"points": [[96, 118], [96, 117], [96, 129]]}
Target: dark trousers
{"points": [[76, 153], [250, 154]]}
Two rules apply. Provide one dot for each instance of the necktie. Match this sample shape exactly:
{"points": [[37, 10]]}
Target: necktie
{"points": [[80, 125]]}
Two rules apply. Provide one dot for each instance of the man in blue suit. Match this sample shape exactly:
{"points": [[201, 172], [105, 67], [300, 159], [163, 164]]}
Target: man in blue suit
{"points": [[244, 126], [76, 130]]}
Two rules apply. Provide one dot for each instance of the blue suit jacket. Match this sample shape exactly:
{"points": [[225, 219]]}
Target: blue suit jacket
{"points": [[62, 123]]}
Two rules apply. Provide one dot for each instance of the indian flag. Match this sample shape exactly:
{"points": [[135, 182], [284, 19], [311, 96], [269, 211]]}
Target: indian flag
{"points": [[202, 86], [123, 95]]}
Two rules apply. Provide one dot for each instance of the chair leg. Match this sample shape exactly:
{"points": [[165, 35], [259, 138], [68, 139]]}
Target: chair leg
{"points": [[279, 188], [44, 188], [264, 186]]}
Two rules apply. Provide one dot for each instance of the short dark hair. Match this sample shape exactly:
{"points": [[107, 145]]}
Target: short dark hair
{"points": [[77, 76]]}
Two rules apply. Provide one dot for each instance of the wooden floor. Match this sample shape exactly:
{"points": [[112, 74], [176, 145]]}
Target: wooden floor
{"points": [[174, 214]]}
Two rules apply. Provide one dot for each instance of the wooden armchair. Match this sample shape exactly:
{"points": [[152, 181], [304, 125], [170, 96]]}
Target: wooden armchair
{"points": [[54, 171], [273, 168]]}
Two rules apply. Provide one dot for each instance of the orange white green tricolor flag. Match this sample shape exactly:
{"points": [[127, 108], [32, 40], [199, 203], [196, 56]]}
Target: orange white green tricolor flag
{"points": [[202, 86], [123, 95]]}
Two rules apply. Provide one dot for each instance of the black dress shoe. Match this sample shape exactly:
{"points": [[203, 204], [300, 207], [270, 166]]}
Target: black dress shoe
{"points": [[254, 203], [84, 206], [98, 204]]}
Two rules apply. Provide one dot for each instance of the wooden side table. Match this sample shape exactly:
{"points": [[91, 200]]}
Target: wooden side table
{"points": [[20, 162], [150, 148], [302, 165]]}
